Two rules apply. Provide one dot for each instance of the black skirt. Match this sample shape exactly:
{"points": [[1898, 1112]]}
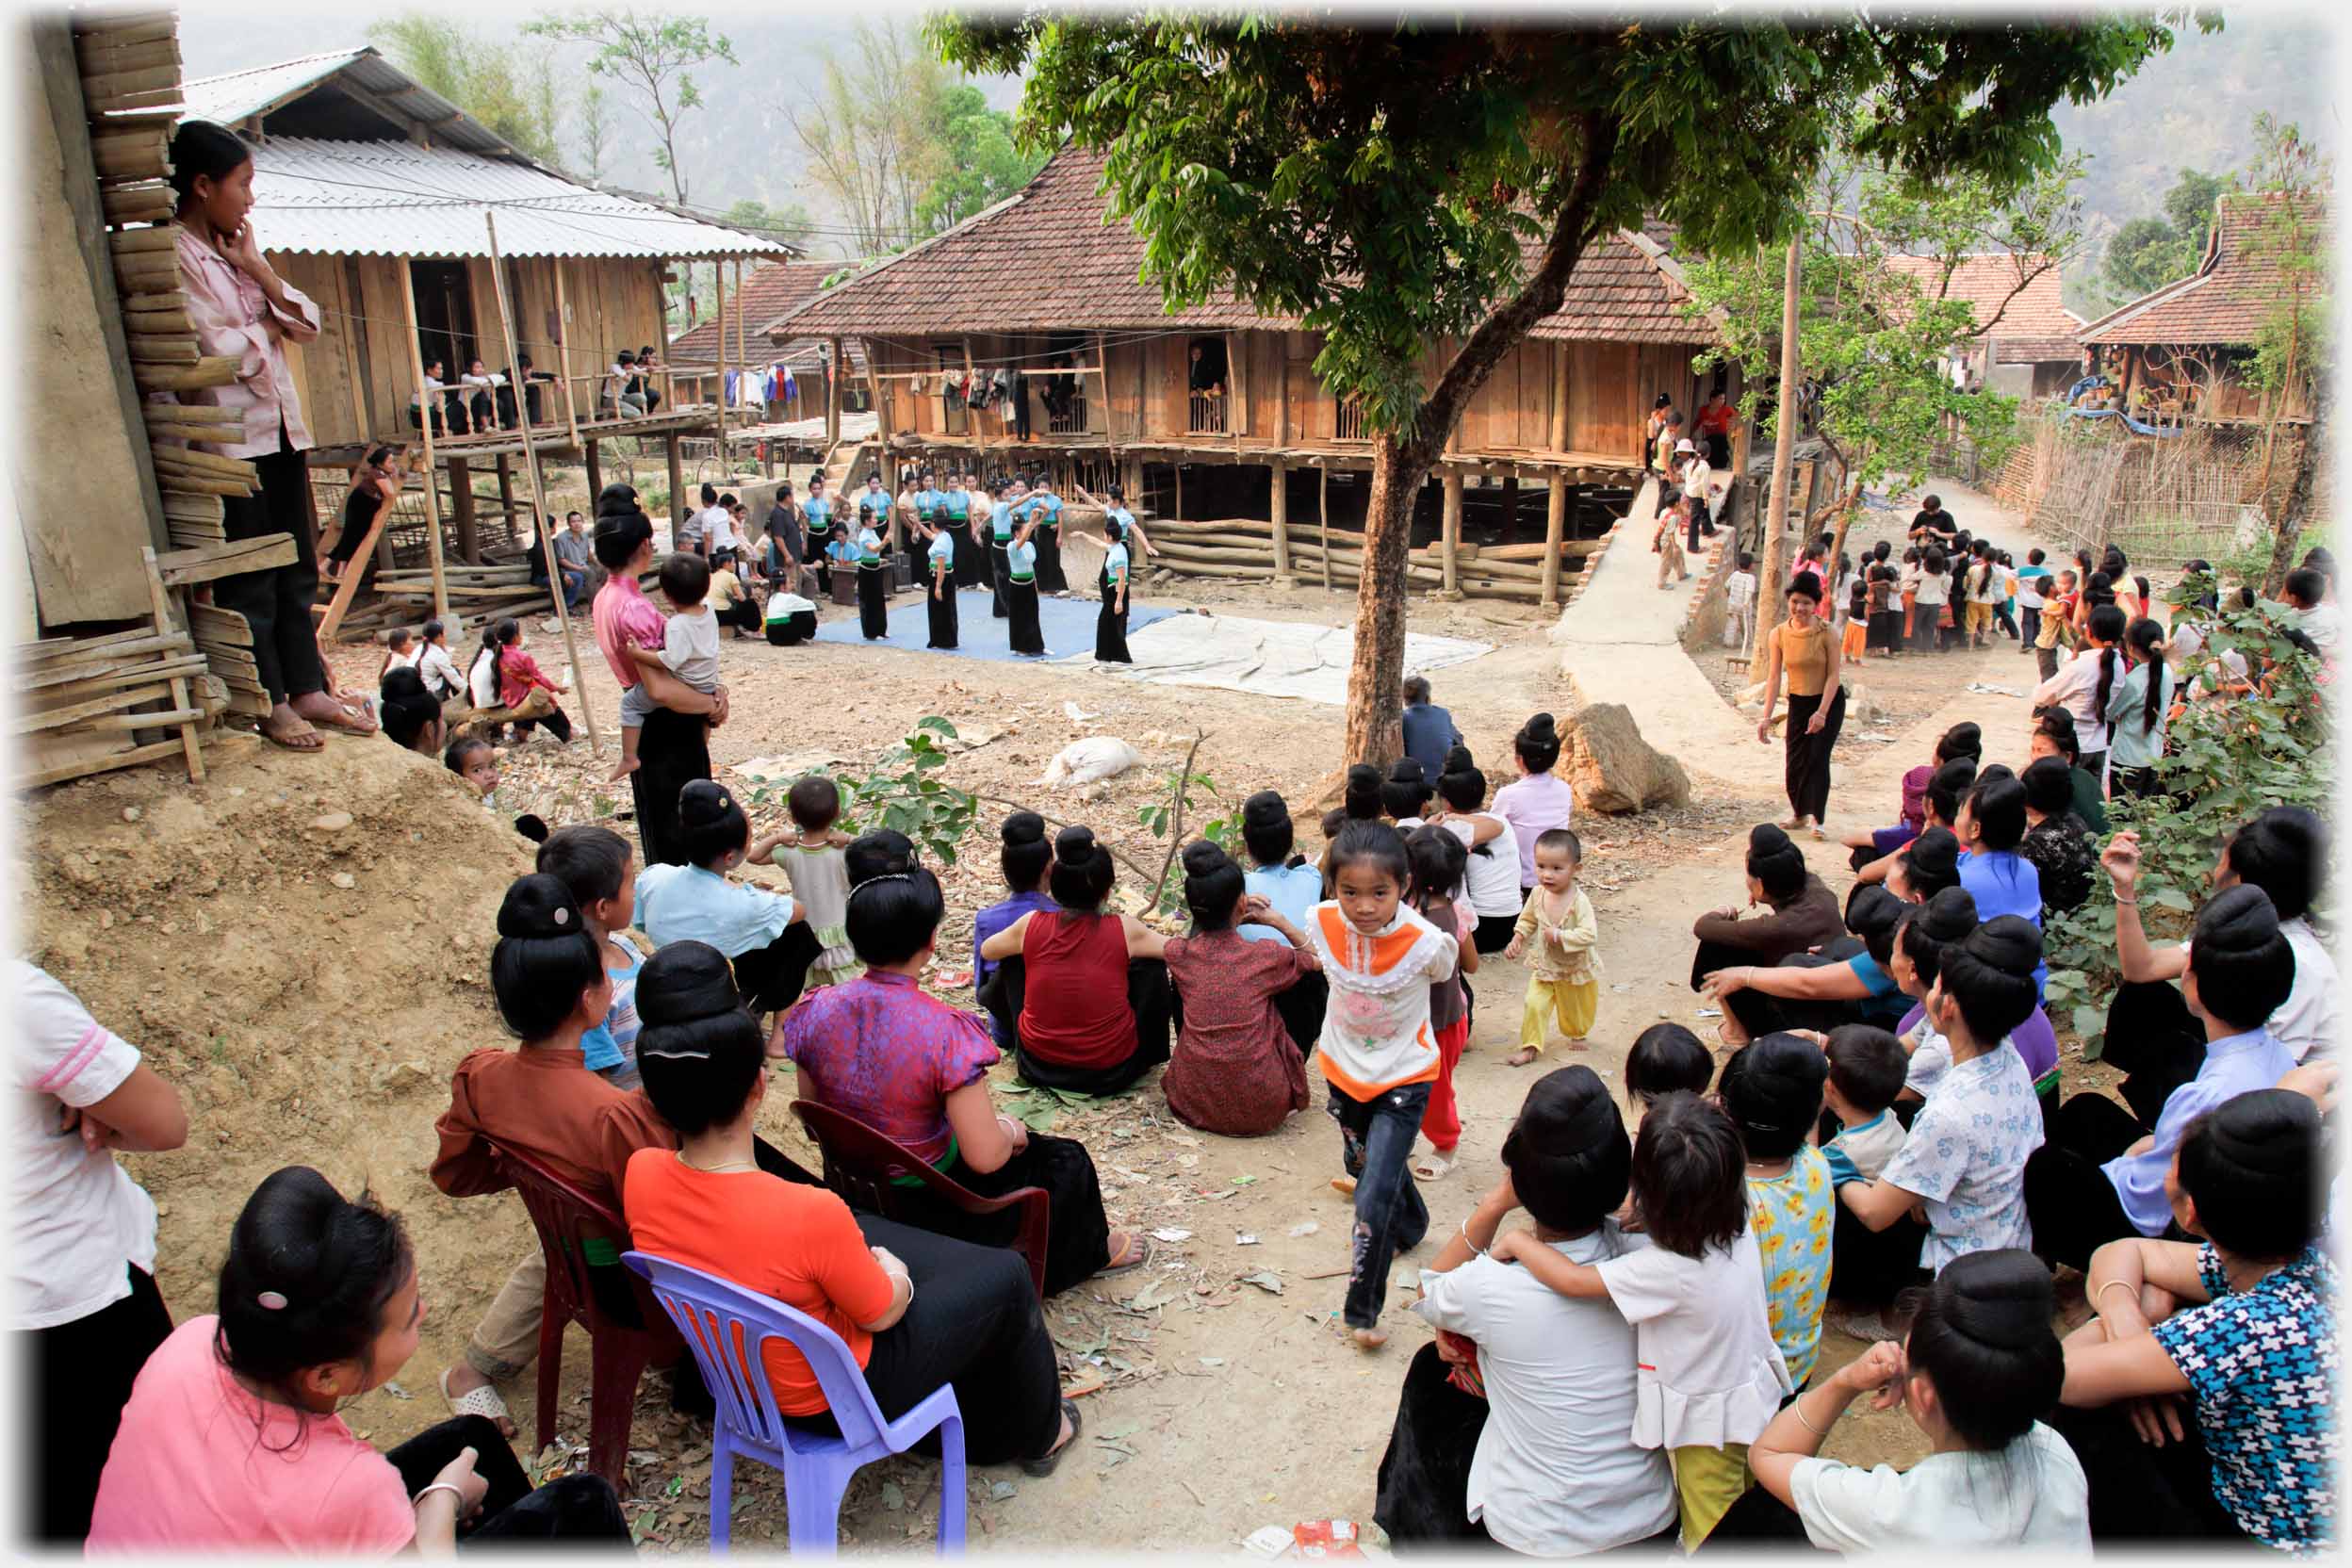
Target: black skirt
{"points": [[971, 562], [1049, 578], [1110, 633], [1020, 601], [1424, 1479], [874, 599], [939, 601], [1808, 755], [793, 629], [1000, 575]]}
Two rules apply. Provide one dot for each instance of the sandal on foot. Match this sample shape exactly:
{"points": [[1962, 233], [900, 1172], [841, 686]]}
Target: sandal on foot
{"points": [[1143, 1255], [307, 739], [1043, 1465], [1432, 1167], [1343, 1183], [484, 1401]]}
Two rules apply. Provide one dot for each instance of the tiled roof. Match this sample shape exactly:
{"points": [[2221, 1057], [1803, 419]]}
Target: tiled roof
{"points": [[2032, 321], [1044, 259], [2225, 301], [769, 291], [241, 94], [394, 198]]}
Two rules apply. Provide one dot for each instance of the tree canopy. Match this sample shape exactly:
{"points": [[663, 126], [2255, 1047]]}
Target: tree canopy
{"points": [[2150, 252], [1393, 182], [511, 91], [653, 55]]}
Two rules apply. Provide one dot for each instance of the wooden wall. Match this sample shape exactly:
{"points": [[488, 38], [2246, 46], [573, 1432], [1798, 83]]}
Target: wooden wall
{"points": [[355, 381]]}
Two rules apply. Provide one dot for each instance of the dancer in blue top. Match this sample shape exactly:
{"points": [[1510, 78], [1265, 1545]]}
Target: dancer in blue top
{"points": [[940, 598], [1046, 507], [1110, 625], [1000, 537], [1021, 593]]}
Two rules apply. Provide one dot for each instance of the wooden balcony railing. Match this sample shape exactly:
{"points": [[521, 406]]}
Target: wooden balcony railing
{"points": [[1208, 414]]}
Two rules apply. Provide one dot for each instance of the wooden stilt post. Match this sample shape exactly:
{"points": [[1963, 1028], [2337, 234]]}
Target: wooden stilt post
{"points": [[596, 472], [506, 489], [462, 509], [837, 369], [1554, 528], [1323, 516], [1510, 508], [425, 411], [677, 485], [718, 316], [1450, 537], [539, 501], [1279, 498]]}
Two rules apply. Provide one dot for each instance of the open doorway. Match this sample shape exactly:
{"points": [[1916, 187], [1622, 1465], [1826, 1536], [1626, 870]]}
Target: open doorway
{"points": [[445, 315]]}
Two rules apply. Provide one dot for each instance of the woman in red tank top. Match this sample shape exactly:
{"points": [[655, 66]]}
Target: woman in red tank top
{"points": [[1094, 1008]]}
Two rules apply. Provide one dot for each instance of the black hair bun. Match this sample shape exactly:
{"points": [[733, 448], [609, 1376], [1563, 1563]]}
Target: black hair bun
{"points": [[1263, 809], [1201, 857], [1457, 760], [1948, 917], [1873, 910], [1539, 728], [1407, 770], [539, 906], [1075, 846], [884, 851], [1362, 775], [2007, 944], [686, 983], [1965, 738], [1023, 828], [1936, 853], [2241, 920], [1766, 838], [1569, 1108], [2001, 1300]]}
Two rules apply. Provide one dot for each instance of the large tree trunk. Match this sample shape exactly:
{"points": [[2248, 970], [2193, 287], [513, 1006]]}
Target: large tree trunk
{"points": [[1772, 605], [2286, 550]]}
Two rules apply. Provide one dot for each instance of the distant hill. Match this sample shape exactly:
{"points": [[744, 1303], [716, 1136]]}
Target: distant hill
{"points": [[2193, 107]]}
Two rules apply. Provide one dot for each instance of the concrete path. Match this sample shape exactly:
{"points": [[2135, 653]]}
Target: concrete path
{"points": [[1620, 642]]}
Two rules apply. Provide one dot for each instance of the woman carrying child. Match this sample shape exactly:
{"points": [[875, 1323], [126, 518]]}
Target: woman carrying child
{"points": [[766, 936], [1092, 1013], [1564, 970], [1516, 1425], [916, 1310], [915, 1070], [231, 1443], [1803, 653], [1380, 1055], [674, 745], [1709, 1375], [1235, 1070]]}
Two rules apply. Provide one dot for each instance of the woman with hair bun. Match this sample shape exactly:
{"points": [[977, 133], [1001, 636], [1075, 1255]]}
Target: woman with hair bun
{"points": [[1541, 800], [1235, 1069], [1818, 991], [1491, 882], [915, 1070], [1363, 798], [766, 935], [2103, 1176], [2239, 1326], [915, 1309], [1093, 999], [1803, 651], [1516, 1425], [1977, 1369], [1801, 914], [231, 1443], [1405, 793], [1025, 855], [411, 717]]}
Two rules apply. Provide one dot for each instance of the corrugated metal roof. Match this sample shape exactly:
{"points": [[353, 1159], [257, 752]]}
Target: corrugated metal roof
{"points": [[394, 198], [241, 94]]}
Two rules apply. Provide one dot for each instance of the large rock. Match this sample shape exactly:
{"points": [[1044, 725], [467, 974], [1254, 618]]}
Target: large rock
{"points": [[1611, 768]]}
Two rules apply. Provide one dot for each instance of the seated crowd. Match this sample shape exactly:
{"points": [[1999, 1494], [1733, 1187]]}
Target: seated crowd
{"points": [[1884, 1152]]}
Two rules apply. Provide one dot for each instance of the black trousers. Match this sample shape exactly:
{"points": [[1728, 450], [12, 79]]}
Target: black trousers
{"points": [[574, 1508], [1110, 633], [1494, 933], [1078, 1233], [793, 629], [1869, 1268], [2140, 1492], [1424, 1494], [2068, 1199], [874, 601], [1051, 579], [276, 603], [743, 615], [770, 977], [1021, 603], [1000, 582], [1758, 1516], [558, 725], [1808, 770], [939, 603], [673, 750], [2156, 1040], [1759, 1014], [82, 1377], [974, 1324]]}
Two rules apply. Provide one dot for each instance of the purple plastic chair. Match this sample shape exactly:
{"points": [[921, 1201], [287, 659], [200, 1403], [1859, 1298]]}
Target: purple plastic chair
{"points": [[728, 1329]]}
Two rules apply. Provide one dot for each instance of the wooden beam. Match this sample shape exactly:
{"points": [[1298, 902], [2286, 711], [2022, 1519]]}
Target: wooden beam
{"points": [[539, 498], [1323, 517], [563, 369], [718, 320], [1450, 535], [1555, 529], [837, 371], [461, 508], [1560, 397], [424, 419], [1279, 507], [678, 484]]}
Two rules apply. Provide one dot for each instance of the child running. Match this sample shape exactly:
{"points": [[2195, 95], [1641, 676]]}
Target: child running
{"points": [[595, 866], [1379, 1057], [1437, 860], [1563, 972], [809, 856], [689, 650], [1773, 1089], [1710, 1375]]}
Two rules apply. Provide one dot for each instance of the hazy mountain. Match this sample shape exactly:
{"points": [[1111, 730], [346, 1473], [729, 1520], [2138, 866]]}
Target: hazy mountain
{"points": [[2193, 107]]}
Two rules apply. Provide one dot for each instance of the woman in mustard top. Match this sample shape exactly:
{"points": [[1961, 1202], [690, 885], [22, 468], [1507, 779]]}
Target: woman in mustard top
{"points": [[1803, 651]]}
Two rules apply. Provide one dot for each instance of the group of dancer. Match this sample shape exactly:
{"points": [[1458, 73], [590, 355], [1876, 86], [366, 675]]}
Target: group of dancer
{"points": [[1005, 536]]}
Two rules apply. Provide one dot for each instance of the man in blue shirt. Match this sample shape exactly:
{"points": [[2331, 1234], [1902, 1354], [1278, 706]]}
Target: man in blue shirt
{"points": [[2100, 1177], [1430, 732]]}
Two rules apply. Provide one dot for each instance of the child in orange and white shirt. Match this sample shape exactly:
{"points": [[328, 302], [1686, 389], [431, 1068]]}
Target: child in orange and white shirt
{"points": [[1380, 1055]]}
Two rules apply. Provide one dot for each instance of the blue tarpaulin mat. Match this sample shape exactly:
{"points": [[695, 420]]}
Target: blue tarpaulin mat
{"points": [[1068, 625]]}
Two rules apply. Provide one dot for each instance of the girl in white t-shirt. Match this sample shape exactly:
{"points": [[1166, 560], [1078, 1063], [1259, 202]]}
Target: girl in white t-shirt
{"points": [[1492, 880], [1980, 1364], [1710, 1376]]}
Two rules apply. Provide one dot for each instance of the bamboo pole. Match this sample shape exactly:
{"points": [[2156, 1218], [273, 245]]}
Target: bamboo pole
{"points": [[718, 320], [1323, 516], [1451, 533], [539, 499], [1776, 514], [563, 359], [425, 412], [1555, 529]]}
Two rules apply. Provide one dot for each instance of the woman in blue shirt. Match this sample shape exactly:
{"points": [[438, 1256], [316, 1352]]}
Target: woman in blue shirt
{"points": [[1021, 593], [1026, 858], [874, 580], [1000, 539], [1291, 887], [940, 598], [762, 934], [1046, 507], [1110, 625]]}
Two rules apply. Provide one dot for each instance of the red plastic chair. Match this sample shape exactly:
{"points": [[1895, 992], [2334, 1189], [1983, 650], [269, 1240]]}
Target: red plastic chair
{"points": [[857, 1161], [576, 1231]]}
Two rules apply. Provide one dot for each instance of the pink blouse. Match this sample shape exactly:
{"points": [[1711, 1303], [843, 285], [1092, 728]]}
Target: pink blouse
{"points": [[234, 319]]}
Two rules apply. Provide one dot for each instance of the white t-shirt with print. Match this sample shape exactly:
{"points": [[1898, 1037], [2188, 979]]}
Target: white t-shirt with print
{"points": [[1708, 1371], [79, 1217], [1966, 1157], [1555, 1473], [2032, 1494]]}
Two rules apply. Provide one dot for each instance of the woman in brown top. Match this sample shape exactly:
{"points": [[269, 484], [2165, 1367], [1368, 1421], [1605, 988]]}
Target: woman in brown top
{"points": [[1806, 654], [1801, 915], [1234, 1069]]}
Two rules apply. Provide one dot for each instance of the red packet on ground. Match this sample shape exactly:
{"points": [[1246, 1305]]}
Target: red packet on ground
{"points": [[1327, 1537]]}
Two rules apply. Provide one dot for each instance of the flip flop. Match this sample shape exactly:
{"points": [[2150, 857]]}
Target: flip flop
{"points": [[344, 723], [1043, 1465], [1343, 1183], [1142, 1256], [309, 744], [484, 1401], [1432, 1167]]}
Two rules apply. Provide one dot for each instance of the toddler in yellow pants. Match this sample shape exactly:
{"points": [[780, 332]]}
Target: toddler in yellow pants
{"points": [[1557, 935]]}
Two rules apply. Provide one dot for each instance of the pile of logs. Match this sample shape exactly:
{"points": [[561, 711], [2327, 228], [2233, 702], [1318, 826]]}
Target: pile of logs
{"points": [[1243, 548], [77, 695]]}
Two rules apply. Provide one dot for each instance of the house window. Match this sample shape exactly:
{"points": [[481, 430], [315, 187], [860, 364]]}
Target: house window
{"points": [[1063, 390], [1349, 423], [1205, 382]]}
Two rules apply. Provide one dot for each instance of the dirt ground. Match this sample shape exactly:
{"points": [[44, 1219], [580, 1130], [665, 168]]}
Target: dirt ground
{"points": [[323, 927]]}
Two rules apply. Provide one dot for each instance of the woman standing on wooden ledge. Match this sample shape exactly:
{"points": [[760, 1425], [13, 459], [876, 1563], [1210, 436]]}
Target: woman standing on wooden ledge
{"points": [[242, 310]]}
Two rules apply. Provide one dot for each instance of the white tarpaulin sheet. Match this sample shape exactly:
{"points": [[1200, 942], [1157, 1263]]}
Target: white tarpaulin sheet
{"points": [[1275, 659]]}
